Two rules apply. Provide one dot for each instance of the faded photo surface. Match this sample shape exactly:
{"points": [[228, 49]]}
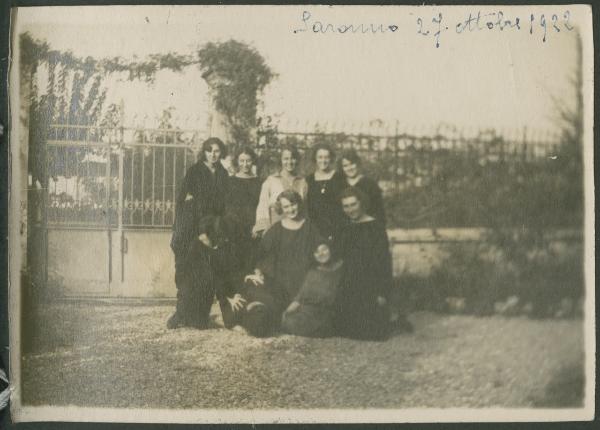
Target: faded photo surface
{"points": [[302, 214]]}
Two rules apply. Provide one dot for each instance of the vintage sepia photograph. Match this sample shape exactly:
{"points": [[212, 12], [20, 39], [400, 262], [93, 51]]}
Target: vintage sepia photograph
{"points": [[259, 214]]}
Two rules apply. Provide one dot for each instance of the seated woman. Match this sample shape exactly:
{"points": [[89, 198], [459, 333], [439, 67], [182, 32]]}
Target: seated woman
{"points": [[361, 306], [286, 251], [311, 313]]}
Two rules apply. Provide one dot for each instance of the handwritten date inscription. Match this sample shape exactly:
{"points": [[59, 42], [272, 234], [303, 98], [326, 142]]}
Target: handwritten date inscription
{"points": [[540, 25]]}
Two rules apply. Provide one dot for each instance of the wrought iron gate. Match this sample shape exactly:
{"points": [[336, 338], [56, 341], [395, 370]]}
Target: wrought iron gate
{"points": [[100, 183]]}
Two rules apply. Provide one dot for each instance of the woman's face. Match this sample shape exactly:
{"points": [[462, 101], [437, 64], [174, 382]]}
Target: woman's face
{"points": [[245, 164], [352, 208], [214, 155], [322, 254], [288, 162], [350, 168], [289, 209], [323, 158]]}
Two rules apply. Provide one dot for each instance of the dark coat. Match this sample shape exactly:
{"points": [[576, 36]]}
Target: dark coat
{"points": [[201, 194]]}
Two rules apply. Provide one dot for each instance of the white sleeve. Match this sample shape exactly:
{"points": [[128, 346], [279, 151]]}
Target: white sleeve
{"points": [[263, 215]]}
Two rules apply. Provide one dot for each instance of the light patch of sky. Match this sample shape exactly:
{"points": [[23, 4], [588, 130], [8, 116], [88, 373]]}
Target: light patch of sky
{"points": [[497, 79]]}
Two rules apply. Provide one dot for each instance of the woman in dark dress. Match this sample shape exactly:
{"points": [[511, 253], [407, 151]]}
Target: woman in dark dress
{"points": [[286, 251], [241, 203], [350, 164], [202, 194], [362, 311], [324, 188], [311, 313]]}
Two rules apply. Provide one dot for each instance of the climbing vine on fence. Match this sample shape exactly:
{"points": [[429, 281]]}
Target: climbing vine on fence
{"points": [[235, 72]]}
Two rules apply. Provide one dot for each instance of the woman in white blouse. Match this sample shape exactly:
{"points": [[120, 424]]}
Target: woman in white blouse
{"points": [[287, 178]]}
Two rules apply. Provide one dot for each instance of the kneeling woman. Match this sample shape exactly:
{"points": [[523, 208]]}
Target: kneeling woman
{"points": [[362, 311], [311, 313], [205, 271]]}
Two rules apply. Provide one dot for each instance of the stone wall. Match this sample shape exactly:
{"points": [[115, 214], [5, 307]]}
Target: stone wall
{"points": [[80, 263]]}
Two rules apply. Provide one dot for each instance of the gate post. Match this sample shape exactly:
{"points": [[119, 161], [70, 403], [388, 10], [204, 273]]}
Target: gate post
{"points": [[35, 277], [120, 199]]}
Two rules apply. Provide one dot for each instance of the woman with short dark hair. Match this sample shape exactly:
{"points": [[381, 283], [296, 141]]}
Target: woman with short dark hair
{"points": [[311, 313], [201, 194], [324, 188], [351, 167]]}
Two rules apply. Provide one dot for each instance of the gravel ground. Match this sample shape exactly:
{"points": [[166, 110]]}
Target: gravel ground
{"points": [[123, 356]]}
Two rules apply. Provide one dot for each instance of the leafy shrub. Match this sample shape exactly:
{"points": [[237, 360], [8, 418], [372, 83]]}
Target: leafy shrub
{"points": [[484, 278]]}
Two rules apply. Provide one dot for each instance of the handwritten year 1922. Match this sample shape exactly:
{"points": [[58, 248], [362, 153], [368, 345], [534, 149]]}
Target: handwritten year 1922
{"points": [[435, 26], [535, 24]]}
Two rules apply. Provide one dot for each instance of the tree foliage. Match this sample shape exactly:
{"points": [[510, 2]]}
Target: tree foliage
{"points": [[236, 74]]}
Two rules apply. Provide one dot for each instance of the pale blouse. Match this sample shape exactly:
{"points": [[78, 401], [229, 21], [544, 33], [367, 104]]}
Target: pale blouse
{"points": [[266, 214]]}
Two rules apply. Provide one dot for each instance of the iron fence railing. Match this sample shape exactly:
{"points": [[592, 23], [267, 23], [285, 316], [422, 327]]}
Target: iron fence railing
{"points": [[111, 177], [128, 177], [402, 161]]}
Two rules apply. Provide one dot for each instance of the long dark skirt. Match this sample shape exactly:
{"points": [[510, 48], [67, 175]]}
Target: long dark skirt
{"points": [[198, 281], [363, 320]]}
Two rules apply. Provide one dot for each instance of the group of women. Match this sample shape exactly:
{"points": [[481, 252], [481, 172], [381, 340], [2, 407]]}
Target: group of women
{"points": [[308, 256]]}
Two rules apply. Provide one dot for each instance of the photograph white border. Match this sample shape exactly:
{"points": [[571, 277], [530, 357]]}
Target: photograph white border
{"points": [[22, 413]]}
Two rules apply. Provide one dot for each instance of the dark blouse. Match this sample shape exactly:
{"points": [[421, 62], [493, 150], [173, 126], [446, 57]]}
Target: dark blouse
{"points": [[320, 286], [315, 313], [323, 205], [371, 189], [286, 257], [240, 208], [242, 200]]}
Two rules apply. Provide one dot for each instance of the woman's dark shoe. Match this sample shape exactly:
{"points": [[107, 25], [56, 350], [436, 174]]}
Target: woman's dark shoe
{"points": [[174, 322]]}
